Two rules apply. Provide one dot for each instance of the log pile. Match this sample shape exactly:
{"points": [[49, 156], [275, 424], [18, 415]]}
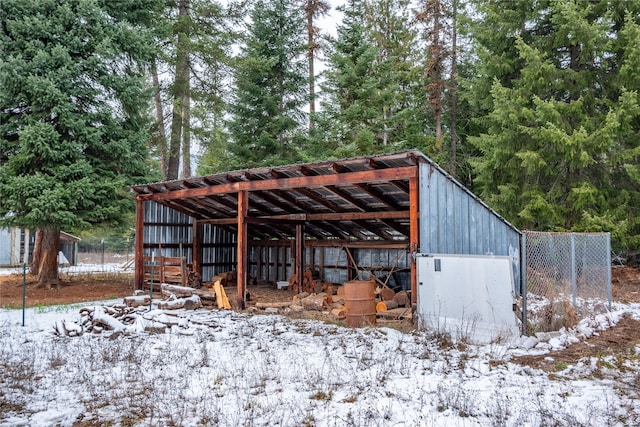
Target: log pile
{"points": [[311, 283], [331, 300], [120, 318], [207, 297]]}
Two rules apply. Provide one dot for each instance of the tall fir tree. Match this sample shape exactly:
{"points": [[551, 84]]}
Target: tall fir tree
{"points": [[192, 79], [372, 88], [271, 87], [560, 140], [73, 123]]}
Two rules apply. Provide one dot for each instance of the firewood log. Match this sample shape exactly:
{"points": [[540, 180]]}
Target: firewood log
{"points": [[137, 301], [315, 302], [386, 293], [282, 304], [179, 291], [340, 313], [383, 306], [402, 299], [337, 298], [318, 287]]}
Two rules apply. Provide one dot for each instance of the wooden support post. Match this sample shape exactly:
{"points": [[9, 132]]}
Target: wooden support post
{"points": [[300, 255], [267, 261], [139, 243], [283, 260], [259, 252], [197, 248], [414, 233], [243, 209]]}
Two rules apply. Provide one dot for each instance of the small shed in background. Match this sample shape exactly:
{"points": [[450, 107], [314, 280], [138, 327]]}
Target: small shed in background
{"points": [[16, 246], [344, 219]]}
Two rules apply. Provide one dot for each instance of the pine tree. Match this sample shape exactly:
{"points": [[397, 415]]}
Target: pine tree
{"points": [[314, 9], [373, 87], [196, 39], [560, 136], [73, 125], [270, 87]]}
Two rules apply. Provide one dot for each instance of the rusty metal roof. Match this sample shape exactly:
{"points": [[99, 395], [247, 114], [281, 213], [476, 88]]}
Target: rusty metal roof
{"points": [[332, 198]]}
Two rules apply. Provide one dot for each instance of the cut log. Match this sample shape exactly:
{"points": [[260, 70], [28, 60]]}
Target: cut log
{"points": [[340, 291], [383, 306], [179, 291], [328, 288], [297, 297], [315, 302], [171, 304], [192, 302], [205, 294], [106, 320], [338, 299], [402, 298], [340, 313], [282, 304], [137, 301], [318, 287], [386, 293]]}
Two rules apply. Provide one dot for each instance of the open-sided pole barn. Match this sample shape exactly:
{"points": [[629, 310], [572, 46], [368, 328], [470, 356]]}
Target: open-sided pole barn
{"points": [[401, 202]]}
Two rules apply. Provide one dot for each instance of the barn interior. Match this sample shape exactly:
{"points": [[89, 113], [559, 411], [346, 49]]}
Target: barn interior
{"points": [[327, 222]]}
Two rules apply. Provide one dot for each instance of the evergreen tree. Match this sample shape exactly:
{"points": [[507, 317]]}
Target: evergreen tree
{"points": [[270, 87], [195, 39], [560, 141], [314, 9], [372, 94], [73, 127]]}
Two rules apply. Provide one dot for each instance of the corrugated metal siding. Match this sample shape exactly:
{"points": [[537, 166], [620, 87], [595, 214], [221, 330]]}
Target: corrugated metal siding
{"points": [[171, 230], [454, 221], [218, 251]]}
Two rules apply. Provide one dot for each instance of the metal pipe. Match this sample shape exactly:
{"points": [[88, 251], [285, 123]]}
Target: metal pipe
{"points": [[24, 290]]}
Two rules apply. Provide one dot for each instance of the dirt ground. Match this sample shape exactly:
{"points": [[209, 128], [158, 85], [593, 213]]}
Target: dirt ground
{"points": [[72, 289], [621, 339]]}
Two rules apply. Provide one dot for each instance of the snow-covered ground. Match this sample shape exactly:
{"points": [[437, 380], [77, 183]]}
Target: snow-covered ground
{"points": [[81, 268], [233, 369]]}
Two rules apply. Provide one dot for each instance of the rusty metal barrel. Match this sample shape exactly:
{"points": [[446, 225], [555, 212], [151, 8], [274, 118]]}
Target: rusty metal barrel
{"points": [[359, 301]]}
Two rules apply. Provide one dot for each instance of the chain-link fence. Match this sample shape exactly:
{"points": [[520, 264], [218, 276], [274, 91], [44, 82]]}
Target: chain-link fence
{"points": [[106, 250], [568, 276]]}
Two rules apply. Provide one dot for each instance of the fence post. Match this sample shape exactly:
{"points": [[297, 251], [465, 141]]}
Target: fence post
{"points": [[523, 281], [574, 284], [608, 268]]}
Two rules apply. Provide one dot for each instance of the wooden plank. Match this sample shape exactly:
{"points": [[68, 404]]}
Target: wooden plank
{"points": [[221, 296]]}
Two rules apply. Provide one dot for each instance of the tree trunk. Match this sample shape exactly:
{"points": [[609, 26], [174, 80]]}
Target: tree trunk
{"points": [[453, 87], [160, 136], [179, 89], [37, 248], [312, 77], [48, 261], [186, 132]]}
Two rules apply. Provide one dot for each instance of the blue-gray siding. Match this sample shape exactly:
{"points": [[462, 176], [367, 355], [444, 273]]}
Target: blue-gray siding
{"points": [[454, 221]]}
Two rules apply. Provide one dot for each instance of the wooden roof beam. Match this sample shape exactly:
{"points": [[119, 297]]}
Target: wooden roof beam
{"points": [[288, 183]]}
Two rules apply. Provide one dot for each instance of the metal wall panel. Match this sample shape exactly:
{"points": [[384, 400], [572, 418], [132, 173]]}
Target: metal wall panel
{"points": [[168, 229], [6, 248], [454, 221]]}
